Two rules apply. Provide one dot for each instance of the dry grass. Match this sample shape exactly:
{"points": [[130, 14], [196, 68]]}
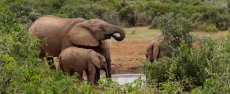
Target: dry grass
{"points": [[218, 34], [144, 33], [141, 33]]}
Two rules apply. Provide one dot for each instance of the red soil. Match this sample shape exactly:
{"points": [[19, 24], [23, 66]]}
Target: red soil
{"points": [[126, 55]]}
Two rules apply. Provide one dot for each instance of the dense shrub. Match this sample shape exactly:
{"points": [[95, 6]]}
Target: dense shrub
{"points": [[128, 13], [134, 13], [21, 70], [211, 28], [200, 69], [136, 87], [175, 30], [184, 68], [71, 8]]}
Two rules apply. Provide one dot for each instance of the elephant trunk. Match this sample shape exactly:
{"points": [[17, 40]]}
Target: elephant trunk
{"points": [[106, 70], [121, 32], [107, 73]]}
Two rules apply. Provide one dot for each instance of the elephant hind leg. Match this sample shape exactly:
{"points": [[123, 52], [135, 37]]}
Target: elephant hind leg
{"points": [[87, 75], [80, 73], [69, 72]]}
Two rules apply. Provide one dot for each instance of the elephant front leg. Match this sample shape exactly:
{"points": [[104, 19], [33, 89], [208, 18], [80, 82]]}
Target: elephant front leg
{"points": [[91, 74], [107, 56], [108, 72], [105, 51], [108, 61], [97, 74]]}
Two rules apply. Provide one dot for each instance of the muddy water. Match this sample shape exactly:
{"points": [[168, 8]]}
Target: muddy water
{"points": [[122, 78], [127, 78]]}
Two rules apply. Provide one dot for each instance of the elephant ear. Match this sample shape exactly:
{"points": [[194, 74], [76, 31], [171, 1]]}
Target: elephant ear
{"points": [[80, 35], [95, 59]]}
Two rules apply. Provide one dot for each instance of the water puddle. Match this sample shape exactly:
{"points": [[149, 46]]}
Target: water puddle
{"points": [[127, 78], [123, 78]]}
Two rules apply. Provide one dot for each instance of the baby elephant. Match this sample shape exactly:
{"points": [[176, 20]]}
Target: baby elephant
{"points": [[75, 59], [153, 49]]}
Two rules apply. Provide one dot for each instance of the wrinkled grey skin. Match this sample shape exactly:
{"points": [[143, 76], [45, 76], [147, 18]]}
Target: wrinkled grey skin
{"points": [[61, 33], [75, 59]]}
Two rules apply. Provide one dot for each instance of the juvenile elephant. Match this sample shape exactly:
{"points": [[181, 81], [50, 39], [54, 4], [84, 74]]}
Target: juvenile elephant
{"points": [[61, 33], [153, 49], [75, 59]]}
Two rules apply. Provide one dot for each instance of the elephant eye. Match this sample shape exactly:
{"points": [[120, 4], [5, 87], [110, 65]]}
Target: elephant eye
{"points": [[101, 27]]}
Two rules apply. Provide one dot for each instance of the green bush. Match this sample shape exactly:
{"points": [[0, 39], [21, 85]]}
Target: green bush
{"points": [[190, 68], [21, 70], [182, 68], [128, 13], [135, 87], [134, 13], [175, 30], [211, 28], [73, 9], [205, 70]]}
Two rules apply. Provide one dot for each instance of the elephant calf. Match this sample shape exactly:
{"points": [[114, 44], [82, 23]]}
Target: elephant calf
{"points": [[73, 59], [153, 49]]}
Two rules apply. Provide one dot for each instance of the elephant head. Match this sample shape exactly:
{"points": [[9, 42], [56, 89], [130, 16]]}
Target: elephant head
{"points": [[91, 32], [99, 61]]}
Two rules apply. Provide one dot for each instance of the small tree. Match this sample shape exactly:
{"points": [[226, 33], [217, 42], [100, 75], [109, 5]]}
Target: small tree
{"points": [[175, 30]]}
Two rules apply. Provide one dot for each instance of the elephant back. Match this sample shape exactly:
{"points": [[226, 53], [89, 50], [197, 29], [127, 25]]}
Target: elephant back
{"points": [[74, 22]]}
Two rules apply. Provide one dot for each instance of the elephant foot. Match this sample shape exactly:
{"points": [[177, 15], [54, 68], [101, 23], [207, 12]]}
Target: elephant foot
{"points": [[52, 67]]}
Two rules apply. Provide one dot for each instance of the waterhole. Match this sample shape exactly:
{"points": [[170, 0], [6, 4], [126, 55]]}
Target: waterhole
{"points": [[123, 78], [127, 78]]}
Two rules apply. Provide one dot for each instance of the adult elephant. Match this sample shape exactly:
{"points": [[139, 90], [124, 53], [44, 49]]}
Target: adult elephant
{"points": [[153, 49], [61, 33]]}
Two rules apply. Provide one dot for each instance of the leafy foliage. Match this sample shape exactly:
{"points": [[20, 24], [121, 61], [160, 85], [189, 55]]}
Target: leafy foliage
{"points": [[128, 13], [199, 71], [175, 30], [211, 28], [188, 69], [21, 70]]}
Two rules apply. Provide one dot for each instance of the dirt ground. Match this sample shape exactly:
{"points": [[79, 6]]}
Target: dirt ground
{"points": [[126, 55]]}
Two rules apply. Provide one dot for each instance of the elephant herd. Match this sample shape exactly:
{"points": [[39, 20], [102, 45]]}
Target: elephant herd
{"points": [[82, 45]]}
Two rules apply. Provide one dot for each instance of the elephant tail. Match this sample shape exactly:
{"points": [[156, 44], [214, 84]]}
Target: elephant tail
{"points": [[59, 66]]}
